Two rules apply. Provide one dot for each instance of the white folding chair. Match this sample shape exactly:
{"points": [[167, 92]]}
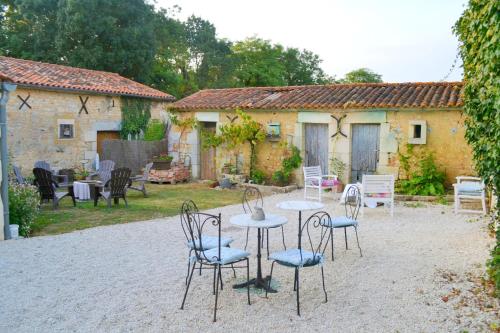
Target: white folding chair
{"points": [[313, 178], [469, 188], [377, 188]]}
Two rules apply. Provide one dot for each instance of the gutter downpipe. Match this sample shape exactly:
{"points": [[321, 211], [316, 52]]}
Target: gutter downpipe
{"points": [[6, 88]]}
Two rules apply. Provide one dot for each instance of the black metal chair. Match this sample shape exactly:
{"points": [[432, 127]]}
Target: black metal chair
{"points": [[116, 187], [19, 176], [218, 258], [47, 187], [352, 205], [252, 193], [305, 255], [141, 180]]}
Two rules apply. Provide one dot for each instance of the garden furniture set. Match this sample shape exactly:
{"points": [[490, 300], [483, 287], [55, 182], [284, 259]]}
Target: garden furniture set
{"points": [[214, 252]]}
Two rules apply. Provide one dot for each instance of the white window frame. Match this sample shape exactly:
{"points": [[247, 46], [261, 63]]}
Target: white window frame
{"points": [[422, 140]]}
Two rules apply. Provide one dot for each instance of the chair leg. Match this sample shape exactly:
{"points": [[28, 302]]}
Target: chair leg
{"points": [[357, 240], [483, 202], [283, 237], [234, 271], [323, 280], [220, 280], [116, 200], [109, 202], [271, 277], [267, 240], [125, 199], [189, 265], [248, 281], [298, 298], [144, 191], [331, 239], [216, 293], [187, 286], [345, 235], [319, 193], [295, 281], [246, 243]]}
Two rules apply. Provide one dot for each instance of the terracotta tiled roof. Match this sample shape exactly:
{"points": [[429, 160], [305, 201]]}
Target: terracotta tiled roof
{"points": [[335, 96], [50, 76]]}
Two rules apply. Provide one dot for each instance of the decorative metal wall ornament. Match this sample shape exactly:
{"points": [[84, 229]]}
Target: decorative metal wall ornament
{"points": [[24, 101], [232, 119], [84, 104], [339, 125]]}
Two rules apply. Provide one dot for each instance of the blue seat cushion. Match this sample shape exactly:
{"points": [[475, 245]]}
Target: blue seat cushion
{"points": [[339, 222], [209, 242], [473, 189], [227, 255], [293, 258]]}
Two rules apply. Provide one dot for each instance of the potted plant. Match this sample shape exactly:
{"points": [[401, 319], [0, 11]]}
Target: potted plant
{"points": [[338, 168], [162, 162], [81, 173]]}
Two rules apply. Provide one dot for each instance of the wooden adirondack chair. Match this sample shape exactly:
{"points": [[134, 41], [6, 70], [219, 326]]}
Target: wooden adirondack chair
{"points": [[104, 172], [47, 187], [117, 186], [19, 177], [141, 180], [61, 180]]}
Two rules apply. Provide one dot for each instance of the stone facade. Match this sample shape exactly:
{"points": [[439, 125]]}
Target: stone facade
{"points": [[444, 136], [33, 133]]}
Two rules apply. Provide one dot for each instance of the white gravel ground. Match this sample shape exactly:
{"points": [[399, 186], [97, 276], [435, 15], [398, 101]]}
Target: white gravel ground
{"points": [[130, 277]]}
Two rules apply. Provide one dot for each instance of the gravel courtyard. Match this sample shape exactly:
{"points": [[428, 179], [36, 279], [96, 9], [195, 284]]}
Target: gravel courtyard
{"points": [[130, 277]]}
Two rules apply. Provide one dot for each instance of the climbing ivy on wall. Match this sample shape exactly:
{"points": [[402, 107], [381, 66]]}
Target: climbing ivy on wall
{"points": [[479, 33], [136, 113]]}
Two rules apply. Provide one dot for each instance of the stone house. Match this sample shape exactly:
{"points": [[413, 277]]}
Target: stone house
{"points": [[363, 125], [62, 114]]}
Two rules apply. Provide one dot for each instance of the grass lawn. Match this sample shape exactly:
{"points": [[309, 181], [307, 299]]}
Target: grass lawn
{"points": [[162, 200]]}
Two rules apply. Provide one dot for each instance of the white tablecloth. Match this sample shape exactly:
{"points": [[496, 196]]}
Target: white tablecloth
{"points": [[81, 190]]}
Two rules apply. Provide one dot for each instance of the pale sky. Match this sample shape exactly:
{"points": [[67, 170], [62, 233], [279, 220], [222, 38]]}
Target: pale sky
{"points": [[404, 40]]}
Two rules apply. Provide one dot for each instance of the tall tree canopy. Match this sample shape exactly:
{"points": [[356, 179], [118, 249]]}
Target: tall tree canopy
{"points": [[362, 75], [149, 45]]}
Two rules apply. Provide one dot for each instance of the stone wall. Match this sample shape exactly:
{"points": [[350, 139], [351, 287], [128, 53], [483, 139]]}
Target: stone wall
{"points": [[33, 133], [444, 137]]}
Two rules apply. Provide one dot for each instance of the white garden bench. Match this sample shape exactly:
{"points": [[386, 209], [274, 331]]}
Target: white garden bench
{"points": [[377, 188]]}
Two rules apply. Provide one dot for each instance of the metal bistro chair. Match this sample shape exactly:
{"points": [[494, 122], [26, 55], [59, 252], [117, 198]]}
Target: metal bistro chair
{"points": [[352, 206], [253, 194], [47, 187], [116, 187], [306, 255], [141, 180], [218, 257], [208, 242]]}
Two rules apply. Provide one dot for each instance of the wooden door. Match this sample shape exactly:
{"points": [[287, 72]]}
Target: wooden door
{"points": [[105, 135], [365, 150], [316, 142], [207, 155]]}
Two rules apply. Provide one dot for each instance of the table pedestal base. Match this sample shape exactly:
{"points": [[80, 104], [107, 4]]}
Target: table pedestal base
{"points": [[257, 283]]}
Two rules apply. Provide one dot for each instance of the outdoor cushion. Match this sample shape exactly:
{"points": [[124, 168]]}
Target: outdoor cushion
{"points": [[339, 222], [292, 257], [469, 189], [228, 255], [325, 182], [209, 242]]}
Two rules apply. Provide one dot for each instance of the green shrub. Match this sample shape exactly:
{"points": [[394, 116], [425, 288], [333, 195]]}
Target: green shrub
{"points": [[155, 131], [493, 264], [258, 177], [293, 161], [24, 202]]}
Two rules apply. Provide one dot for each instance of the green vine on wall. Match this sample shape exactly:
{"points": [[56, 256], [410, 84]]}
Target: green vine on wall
{"points": [[136, 113]]}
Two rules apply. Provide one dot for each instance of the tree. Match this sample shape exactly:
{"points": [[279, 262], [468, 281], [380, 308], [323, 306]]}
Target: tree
{"points": [[478, 31], [303, 67], [362, 75]]}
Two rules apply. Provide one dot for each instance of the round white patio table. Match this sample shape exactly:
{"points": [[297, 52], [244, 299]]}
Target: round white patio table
{"points": [[300, 205], [245, 221], [81, 190]]}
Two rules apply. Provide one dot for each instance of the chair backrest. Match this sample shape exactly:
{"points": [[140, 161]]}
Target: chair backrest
{"points": [[147, 169], [378, 185], [44, 182], [352, 202], [252, 194], [70, 173], [312, 171], [43, 165], [187, 207], [197, 225], [19, 177], [315, 235], [106, 165], [119, 181]]}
